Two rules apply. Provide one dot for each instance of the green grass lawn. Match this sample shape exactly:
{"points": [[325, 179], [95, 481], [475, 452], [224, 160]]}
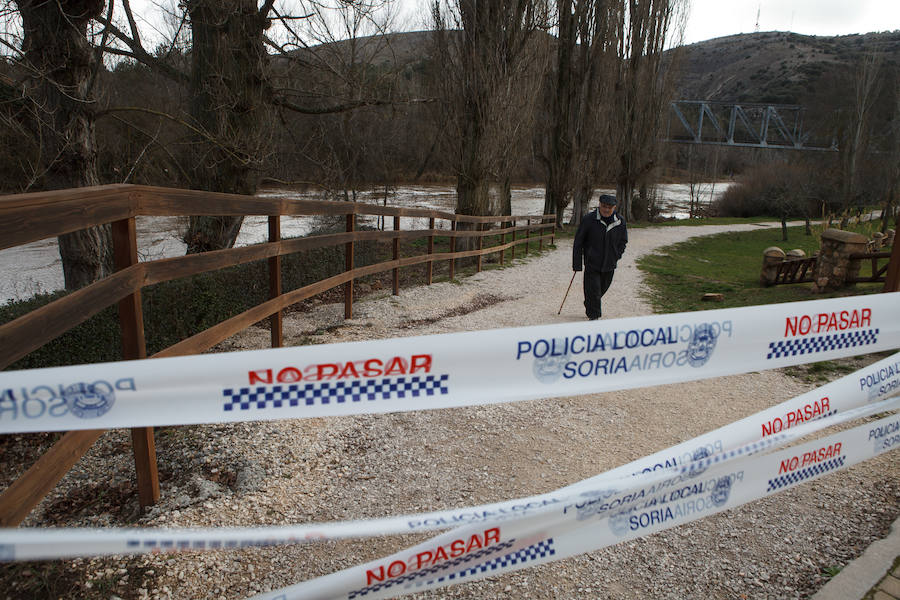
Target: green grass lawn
{"points": [[729, 264]]}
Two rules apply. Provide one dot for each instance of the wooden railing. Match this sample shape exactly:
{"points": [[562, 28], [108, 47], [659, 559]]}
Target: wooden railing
{"points": [[801, 270], [878, 273], [798, 270], [27, 218]]}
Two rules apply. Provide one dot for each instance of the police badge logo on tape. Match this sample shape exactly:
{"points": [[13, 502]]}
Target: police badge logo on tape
{"points": [[698, 464], [702, 344], [89, 401], [722, 491], [618, 522], [549, 368]]}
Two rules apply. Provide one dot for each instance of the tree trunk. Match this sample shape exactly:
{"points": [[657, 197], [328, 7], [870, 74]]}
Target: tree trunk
{"points": [[505, 198], [228, 103], [581, 201], [59, 56]]}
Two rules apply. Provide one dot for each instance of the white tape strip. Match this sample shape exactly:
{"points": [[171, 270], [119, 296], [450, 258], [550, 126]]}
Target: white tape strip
{"points": [[459, 369], [599, 518], [847, 398]]}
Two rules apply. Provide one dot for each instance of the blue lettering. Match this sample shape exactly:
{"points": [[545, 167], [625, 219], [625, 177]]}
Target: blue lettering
{"points": [[524, 348]]}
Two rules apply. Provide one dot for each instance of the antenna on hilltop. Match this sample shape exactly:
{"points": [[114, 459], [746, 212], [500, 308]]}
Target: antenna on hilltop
{"points": [[758, 9]]}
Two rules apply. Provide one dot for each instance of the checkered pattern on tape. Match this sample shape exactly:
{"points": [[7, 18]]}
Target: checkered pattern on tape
{"points": [[822, 343], [533, 552], [326, 392], [422, 574], [805, 473]]}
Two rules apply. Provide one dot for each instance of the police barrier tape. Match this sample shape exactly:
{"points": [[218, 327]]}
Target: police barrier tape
{"points": [[600, 518], [850, 397], [439, 371]]}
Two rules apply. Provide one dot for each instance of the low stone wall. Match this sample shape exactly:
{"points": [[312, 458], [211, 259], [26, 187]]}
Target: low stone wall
{"points": [[833, 265]]}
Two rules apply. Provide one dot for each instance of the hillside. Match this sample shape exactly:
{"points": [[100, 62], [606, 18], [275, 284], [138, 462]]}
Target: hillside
{"points": [[779, 67]]}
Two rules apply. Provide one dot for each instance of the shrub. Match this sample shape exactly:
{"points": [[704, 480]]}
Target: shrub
{"points": [[175, 310], [770, 190]]}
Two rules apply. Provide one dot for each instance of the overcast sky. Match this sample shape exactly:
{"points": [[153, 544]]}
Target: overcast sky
{"points": [[717, 18]]}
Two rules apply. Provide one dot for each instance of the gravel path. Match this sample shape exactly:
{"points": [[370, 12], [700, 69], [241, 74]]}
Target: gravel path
{"points": [[370, 466]]}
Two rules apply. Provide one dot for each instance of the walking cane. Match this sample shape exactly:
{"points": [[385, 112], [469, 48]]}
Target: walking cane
{"points": [[567, 293]]}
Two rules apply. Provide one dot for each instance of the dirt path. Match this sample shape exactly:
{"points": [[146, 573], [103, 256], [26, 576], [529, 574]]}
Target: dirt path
{"points": [[370, 466]]}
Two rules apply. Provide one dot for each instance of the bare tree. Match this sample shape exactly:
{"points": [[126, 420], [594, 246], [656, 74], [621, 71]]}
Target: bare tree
{"points": [[235, 86], [854, 134], [578, 96], [229, 102], [55, 105], [492, 64], [643, 88]]}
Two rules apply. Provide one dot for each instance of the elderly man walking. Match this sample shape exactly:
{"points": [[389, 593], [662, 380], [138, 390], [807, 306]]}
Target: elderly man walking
{"points": [[600, 242]]}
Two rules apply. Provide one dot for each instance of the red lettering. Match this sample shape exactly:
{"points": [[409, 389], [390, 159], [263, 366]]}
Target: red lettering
{"points": [[326, 371], [474, 543], [349, 370], [423, 558], [457, 548], [261, 376], [845, 319], [809, 457], [396, 568], [373, 576], [396, 366], [793, 417], [440, 554], [825, 404], [420, 361], [289, 375], [822, 321], [773, 426], [373, 367], [866, 317], [492, 535], [790, 326], [805, 324]]}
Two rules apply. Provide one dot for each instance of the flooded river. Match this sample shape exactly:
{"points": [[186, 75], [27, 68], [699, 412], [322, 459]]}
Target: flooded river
{"points": [[36, 267]]}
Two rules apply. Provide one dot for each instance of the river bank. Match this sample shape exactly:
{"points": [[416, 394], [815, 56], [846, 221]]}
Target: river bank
{"points": [[36, 268]]}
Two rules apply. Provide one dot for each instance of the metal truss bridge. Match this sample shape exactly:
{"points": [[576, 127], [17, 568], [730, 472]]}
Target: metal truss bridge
{"points": [[749, 125]]}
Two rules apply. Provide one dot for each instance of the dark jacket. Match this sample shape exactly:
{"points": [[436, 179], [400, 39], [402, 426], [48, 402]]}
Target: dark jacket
{"points": [[601, 244]]}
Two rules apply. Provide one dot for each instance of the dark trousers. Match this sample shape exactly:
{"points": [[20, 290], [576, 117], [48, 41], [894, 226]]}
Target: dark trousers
{"points": [[595, 285]]}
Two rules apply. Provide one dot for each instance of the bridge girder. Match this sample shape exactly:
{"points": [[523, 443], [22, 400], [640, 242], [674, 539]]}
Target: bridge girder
{"points": [[749, 125]]}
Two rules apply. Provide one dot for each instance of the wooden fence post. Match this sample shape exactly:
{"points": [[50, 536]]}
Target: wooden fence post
{"points": [[512, 249], [502, 241], [276, 321], [396, 256], [527, 233], [480, 245], [348, 266], [892, 277], [453, 250], [541, 235], [131, 320], [430, 250]]}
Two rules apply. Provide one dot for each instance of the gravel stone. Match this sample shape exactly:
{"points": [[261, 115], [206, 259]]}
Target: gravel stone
{"points": [[327, 469]]}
